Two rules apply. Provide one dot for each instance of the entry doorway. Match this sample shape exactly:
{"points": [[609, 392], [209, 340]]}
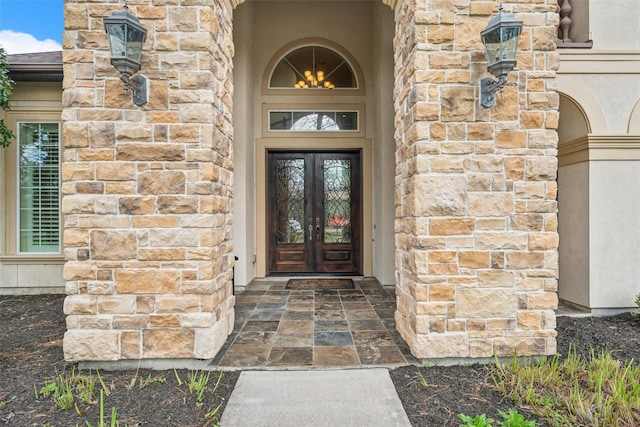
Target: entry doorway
{"points": [[314, 212]]}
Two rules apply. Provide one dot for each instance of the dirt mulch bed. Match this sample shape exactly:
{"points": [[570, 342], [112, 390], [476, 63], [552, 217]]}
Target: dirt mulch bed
{"points": [[31, 353], [468, 389]]}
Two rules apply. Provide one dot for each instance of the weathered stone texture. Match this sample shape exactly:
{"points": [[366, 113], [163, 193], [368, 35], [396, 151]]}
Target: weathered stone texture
{"points": [[138, 184], [476, 223]]}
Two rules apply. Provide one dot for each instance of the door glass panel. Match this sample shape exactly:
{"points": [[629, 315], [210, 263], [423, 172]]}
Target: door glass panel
{"points": [[289, 200], [337, 200]]}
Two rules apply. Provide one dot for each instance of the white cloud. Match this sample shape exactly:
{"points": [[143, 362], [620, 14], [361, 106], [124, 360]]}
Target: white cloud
{"points": [[14, 42]]}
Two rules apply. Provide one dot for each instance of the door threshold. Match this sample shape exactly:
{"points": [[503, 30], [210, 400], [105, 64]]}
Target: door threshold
{"points": [[284, 277]]}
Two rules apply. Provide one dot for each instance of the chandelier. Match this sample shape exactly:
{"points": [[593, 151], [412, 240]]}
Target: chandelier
{"points": [[314, 80]]}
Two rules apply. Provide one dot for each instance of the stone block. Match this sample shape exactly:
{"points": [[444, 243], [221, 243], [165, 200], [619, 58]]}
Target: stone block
{"points": [[474, 259], [451, 226], [80, 304], [131, 345], [511, 346], [525, 260], [486, 303], [76, 17], [529, 320], [501, 240], [496, 279], [532, 119], [115, 171], [150, 152], [174, 238], [428, 308], [183, 19], [132, 322], [426, 111], [177, 204], [436, 195], [440, 34], [77, 172], [481, 348], [74, 270], [451, 60], [145, 304], [117, 304], [458, 103], [441, 345], [490, 204], [86, 344], [164, 321], [541, 168], [161, 182], [161, 254], [511, 139], [442, 293], [177, 304], [113, 245], [75, 237], [90, 321], [137, 205], [543, 241], [208, 341], [543, 301], [133, 281], [168, 343]]}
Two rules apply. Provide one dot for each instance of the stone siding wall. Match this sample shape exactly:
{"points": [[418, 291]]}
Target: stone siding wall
{"points": [[147, 191], [476, 212]]}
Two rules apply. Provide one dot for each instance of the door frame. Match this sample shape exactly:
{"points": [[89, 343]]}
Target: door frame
{"points": [[263, 145]]}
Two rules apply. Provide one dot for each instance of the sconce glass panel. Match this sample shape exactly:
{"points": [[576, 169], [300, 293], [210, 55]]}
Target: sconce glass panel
{"points": [[117, 41], [135, 39], [501, 44]]}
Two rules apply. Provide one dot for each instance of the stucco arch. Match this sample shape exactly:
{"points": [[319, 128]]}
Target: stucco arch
{"points": [[582, 97], [574, 122], [634, 119]]}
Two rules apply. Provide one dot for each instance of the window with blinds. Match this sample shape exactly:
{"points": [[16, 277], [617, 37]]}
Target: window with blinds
{"points": [[39, 187]]}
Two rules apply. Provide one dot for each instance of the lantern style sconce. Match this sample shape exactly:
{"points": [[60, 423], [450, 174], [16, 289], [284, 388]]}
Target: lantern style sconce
{"points": [[126, 36], [500, 39]]}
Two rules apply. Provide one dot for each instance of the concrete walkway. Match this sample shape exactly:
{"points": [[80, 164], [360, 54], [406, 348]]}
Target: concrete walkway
{"points": [[359, 397]]}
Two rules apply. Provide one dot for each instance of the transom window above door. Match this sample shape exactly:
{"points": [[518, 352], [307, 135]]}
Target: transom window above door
{"points": [[313, 67]]}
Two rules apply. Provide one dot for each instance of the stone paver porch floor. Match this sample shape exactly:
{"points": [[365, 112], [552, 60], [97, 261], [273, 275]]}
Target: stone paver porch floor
{"points": [[277, 327]]}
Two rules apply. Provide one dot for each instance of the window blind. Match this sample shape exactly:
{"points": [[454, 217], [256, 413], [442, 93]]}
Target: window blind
{"points": [[39, 187]]}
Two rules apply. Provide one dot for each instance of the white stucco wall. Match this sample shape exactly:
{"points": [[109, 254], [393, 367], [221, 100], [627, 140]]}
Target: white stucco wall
{"points": [[365, 30], [623, 15], [573, 217], [614, 233]]}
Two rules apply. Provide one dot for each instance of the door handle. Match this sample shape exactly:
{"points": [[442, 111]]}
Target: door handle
{"points": [[310, 232], [317, 228]]}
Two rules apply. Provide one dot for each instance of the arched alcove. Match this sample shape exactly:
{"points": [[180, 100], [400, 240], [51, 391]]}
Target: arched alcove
{"points": [[573, 123]]}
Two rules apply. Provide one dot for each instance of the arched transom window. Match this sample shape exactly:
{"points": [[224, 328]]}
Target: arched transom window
{"points": [[313, 67]]}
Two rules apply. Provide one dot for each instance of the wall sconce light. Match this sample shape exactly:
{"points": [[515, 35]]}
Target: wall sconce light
{"points": [[500, 39], [126, 36]]}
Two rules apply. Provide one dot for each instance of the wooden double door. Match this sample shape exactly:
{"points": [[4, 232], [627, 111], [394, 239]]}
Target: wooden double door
{"points": [[314, 217]]}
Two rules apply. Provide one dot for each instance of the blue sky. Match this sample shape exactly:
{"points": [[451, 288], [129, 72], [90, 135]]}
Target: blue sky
{"points": [[31, 25]]}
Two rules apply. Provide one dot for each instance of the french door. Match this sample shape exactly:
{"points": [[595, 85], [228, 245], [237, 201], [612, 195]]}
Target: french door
{"points": [[314, 217]]}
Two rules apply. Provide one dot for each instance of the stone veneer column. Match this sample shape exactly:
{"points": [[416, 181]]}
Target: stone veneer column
{"points": [[476, 214], [147, 191]]}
